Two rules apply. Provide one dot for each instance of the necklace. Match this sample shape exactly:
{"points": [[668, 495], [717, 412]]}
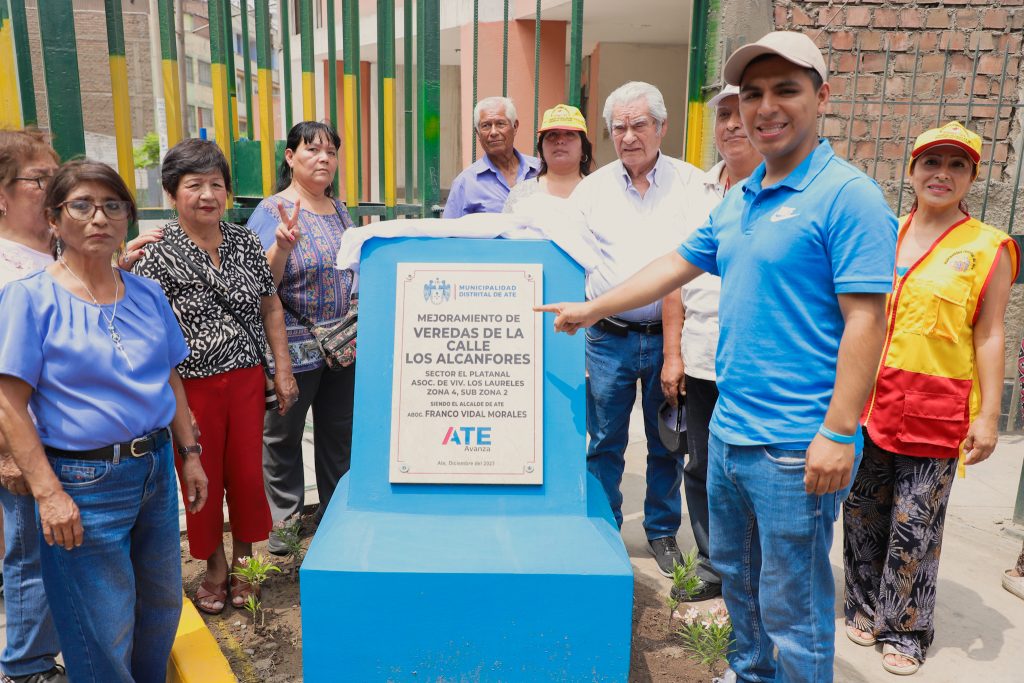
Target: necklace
{"points": [[115, 336]]}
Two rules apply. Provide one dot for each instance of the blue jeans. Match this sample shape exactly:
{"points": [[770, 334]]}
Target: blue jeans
{"points": [[116, 599], [614, 364], [31, 637], [770, 544]]}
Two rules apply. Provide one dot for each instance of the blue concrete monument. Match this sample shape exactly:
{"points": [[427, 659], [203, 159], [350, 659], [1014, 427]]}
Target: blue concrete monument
{"points": [[468, 542]]}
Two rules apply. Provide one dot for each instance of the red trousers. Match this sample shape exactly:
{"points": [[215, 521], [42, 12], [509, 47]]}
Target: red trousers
{"points": [[229, 408]]}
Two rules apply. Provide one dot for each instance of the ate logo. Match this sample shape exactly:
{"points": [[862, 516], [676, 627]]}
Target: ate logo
{"points": [[467, 436]]}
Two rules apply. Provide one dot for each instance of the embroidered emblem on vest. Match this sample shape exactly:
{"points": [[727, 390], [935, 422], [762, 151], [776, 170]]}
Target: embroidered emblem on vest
{"points": [[961, 261]]}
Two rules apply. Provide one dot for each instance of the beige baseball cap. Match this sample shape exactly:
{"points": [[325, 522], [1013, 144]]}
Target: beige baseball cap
{"points": [[726, 91], [790, 45]]}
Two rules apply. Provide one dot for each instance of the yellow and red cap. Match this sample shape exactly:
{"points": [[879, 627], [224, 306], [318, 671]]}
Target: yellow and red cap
{"points": [[953, 134]]}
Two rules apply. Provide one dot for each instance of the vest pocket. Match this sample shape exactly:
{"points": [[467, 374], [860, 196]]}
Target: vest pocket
{"points": [[949, 310], [933, 419]]}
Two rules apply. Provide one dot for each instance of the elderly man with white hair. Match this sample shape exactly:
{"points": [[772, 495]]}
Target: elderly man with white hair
{"points": [[483, 186], [637, 207]]}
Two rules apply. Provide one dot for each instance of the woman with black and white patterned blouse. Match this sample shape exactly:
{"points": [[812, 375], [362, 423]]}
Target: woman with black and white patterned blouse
{"points": [[222, 375]]}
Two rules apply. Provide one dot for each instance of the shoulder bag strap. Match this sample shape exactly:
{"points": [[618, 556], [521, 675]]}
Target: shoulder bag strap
{"points": [[223, 301]]}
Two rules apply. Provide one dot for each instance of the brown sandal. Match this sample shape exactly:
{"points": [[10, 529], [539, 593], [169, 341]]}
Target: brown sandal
{"points": [[210, 594], [241, 590]]}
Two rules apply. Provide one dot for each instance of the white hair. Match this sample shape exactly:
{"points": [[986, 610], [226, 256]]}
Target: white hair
{"points": [[494, 103], [627, 93]]}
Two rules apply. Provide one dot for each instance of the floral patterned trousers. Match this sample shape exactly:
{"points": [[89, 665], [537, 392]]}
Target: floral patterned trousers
{"points": [[892, 524]]}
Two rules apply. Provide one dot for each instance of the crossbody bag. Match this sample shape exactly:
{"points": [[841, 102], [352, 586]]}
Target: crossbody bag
{"points": [[337, 341]]}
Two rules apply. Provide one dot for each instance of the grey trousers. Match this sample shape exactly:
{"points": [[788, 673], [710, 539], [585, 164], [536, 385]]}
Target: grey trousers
{"points": [[701, 396], [330, 393]]}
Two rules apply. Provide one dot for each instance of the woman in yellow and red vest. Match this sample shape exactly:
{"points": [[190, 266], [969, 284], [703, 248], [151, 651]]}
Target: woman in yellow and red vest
{"points": [[935, 401]]}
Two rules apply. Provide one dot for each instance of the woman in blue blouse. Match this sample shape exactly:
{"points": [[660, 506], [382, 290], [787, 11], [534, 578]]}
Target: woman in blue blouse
{"points": [[92, 351], [301, 228]]}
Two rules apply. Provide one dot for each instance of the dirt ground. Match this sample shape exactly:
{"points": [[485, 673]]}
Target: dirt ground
{"points": [[272, 653]]}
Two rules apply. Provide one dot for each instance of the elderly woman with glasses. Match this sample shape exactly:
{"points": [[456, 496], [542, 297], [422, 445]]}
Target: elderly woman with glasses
{"points": [[220, 287], [92, 352]]}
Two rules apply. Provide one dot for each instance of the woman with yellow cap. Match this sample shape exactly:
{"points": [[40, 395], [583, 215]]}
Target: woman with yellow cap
{"points": [[566, 156], [935, 401]]}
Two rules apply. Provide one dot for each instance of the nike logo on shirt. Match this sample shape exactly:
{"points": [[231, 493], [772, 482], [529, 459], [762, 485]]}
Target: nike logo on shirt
{"points": [[783, 213]]}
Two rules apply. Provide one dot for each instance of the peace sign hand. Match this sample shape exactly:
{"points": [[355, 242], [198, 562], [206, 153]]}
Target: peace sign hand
{"points": [[288, 231]]}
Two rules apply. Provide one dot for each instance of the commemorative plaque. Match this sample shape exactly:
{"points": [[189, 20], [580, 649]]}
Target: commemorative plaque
{"points": [[467, 392]]}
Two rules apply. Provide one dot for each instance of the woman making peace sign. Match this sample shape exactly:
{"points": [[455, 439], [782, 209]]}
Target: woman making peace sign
{"points": [[301, 228]]}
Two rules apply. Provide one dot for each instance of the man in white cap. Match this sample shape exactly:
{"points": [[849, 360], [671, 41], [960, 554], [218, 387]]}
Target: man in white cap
{"points": [[806, 252], [695, 364]]}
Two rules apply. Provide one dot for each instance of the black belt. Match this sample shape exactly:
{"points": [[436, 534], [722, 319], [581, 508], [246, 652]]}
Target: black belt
{"points": [[621, 328], [136, 448]]}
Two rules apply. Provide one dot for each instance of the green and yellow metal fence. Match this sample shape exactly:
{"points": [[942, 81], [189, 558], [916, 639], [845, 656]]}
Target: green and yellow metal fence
{"points": [[252, 150]]}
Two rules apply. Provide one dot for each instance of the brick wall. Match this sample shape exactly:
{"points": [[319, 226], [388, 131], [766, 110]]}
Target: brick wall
{"points": [[975, 34]]}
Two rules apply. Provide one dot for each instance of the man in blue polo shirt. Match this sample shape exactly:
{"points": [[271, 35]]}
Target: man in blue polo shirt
{"points": [[805, 248], [483, 186]]}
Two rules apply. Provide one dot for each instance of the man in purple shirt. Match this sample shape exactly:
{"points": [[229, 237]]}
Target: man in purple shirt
{"points": [[484, 185]]}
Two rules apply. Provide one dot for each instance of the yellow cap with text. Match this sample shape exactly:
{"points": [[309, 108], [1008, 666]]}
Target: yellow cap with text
{"points": [[563, 117], [953, 133]]}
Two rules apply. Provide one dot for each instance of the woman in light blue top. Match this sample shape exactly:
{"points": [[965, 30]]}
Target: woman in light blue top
{"points": [[92, 352]]}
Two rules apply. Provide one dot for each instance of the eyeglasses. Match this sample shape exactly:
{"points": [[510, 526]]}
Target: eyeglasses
{"points": [[84, 210], [41, 181], [639, 126]]}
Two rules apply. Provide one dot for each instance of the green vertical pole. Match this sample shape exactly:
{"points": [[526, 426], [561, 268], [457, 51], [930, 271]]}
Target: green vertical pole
{"points": [[169, 70], [60, 64], [536, 75], [429, 48], [219, 72], [26, 84], [410, 188], [308, 86], [356, 65], [692, 151], [243, 5], [476, 60], [119, 92], [265, 76], [331, 96], [575, 54], [286, 59], [386, 102], [353, 167], [229, 43]]}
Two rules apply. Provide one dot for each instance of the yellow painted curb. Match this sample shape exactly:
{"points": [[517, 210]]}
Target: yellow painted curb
{"points": [[195, 656]]}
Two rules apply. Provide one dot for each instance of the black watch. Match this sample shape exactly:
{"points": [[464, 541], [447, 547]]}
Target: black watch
{"points": [[183, 451]]}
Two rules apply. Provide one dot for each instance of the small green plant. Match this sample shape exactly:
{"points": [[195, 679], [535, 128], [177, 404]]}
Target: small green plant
{"points": [[147, 155], [685, 582], [291, 536], [707, 636], [255, 571], [671, 603]]}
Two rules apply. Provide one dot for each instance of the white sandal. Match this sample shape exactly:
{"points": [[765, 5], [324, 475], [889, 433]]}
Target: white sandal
{"points": [[899, 669], [859, 636]]}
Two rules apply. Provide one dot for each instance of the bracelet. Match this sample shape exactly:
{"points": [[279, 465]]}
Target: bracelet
{"points": [[834, 436]]}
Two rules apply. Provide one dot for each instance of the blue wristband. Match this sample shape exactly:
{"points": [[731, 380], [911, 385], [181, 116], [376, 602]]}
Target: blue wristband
{"points": [[838, 438]]}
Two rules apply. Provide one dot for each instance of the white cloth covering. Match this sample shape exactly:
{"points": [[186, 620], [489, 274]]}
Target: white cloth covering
{"points": [[543, 217]]}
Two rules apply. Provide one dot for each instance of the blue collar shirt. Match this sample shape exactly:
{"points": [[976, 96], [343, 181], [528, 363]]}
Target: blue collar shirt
{"points": [[481, 188], [784, 253]]}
